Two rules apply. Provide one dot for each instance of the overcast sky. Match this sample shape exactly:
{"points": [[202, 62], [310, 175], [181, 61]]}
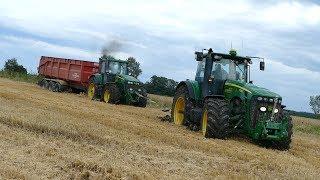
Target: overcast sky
{"points": [[163, 35]]}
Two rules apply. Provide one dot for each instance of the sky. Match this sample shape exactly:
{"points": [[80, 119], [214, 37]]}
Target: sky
{"points": [[163, 35]]}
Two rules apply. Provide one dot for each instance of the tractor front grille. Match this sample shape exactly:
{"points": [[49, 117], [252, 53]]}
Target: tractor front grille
{"points": [[258, 115]]}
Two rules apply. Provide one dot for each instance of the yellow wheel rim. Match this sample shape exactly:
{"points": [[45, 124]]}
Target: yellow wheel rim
{"points": [[204, 122], [91, 90], [106, 96], [179, 111]]}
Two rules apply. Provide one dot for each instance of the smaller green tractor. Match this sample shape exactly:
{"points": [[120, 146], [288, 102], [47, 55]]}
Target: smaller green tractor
{"points": [[223, 101], [112, 84]]}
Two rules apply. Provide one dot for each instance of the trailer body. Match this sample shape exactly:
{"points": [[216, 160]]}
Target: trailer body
{"points": [[74, 73]]}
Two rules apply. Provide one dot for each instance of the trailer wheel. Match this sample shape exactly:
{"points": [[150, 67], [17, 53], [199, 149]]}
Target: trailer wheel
{"points": [[51, 86], [215, 119], [45, 84], [111, 94]]}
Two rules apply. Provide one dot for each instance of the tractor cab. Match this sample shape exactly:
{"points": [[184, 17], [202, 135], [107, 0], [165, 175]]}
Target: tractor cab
{"points": [[215, 69], [222, 100]]}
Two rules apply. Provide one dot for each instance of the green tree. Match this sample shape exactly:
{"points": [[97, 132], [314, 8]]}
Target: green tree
{"points": [[134, 67], [315, 104], [12, 66], [161, 86]]}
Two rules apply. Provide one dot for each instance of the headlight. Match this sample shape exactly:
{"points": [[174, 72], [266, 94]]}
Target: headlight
{"points": [[271, 100], [259, 98], [129, 82], [276, 110], [263, 109], [130, 89]]}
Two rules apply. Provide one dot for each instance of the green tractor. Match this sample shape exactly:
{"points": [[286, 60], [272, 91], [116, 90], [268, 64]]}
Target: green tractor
{"points": [[222, 101], [112, 84]]}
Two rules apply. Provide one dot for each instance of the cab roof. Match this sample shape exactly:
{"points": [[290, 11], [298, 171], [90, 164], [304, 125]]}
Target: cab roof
{"points": [[111, 58]]}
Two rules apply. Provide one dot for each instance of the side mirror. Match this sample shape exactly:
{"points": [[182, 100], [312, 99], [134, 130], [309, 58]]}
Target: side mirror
{"points": [[251, 82], [262, 65], [199, 56]]}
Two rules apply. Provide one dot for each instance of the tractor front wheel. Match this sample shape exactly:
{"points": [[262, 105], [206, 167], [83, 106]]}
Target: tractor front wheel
{"points": [[181, 107], [91, 90], [215, 119], [285, 144], [111, 94]]}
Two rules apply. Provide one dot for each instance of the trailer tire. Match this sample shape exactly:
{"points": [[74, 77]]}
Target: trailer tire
{"points": [[215, 119], [45, 84], [51, 86], [111, 94]]}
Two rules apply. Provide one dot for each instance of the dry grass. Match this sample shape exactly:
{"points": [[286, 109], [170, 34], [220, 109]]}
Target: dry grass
{"points": [[159, 101], [51, 135]]}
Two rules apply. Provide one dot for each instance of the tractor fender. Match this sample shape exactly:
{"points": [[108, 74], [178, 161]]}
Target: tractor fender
{"points": [[192, 87], [96, 78]]}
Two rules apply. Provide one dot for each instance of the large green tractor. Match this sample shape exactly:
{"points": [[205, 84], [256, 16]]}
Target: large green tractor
{"points": [[112, 84], [222, 101]]}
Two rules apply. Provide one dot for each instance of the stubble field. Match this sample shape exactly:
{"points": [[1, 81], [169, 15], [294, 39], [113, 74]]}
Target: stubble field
{"points": [[46, 135]]}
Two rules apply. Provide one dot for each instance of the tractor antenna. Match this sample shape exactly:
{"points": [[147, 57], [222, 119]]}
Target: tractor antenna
{"points": [[231, 44]]}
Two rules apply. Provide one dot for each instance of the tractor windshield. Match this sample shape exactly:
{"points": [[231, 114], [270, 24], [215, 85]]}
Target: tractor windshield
{"points": [[229, 69], [224, 69], [118, 67]]}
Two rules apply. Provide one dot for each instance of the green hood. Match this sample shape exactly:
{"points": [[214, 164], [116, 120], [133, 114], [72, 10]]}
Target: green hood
{"points": [[253, 89], [129, 78]]}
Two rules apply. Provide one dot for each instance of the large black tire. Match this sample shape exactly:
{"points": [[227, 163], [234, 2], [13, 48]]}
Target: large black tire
{"points": [[285, 144], [45, 84], [218, 119], [55, 86], [51, 86], [143, 101], [181, 116], [115, 95]]}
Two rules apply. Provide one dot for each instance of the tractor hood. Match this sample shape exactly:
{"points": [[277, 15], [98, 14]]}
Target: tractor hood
{"points": [[129, 78], [253, 89]]}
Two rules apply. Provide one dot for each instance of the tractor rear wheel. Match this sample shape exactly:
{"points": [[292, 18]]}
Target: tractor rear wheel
{"points": [[111, 94], [181, 107], [285, 144], [215, 119]]}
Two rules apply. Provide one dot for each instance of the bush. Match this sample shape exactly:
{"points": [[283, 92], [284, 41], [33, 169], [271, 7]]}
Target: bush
{"points": [[12, 66], [161, 86], [12, 70]]}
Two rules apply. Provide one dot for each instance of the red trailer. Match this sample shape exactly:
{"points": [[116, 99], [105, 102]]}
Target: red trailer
{"points": [[61, 73]]}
